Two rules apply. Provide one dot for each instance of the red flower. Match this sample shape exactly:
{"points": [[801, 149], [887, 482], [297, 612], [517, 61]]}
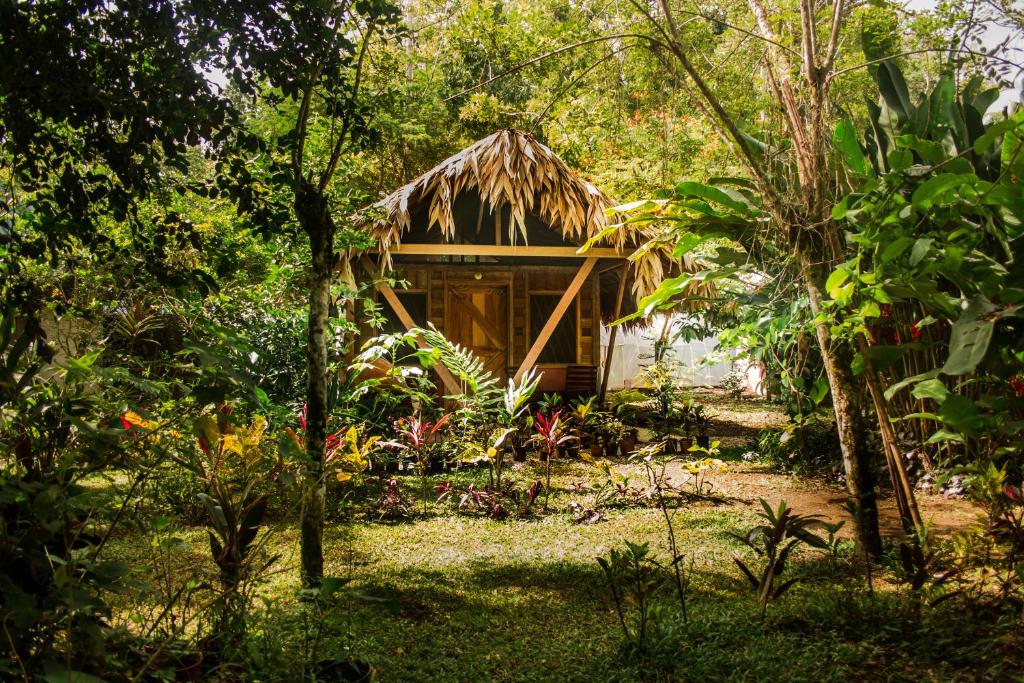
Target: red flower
{"points": [[1017, 382], [915, 331], [1013, 494]]}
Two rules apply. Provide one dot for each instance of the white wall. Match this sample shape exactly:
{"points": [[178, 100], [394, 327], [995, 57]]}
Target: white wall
{"points": [[634, 351]]}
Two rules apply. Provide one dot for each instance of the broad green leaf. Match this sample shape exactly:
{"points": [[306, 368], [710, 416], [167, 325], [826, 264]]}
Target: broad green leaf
{"points": [[970, 337], [900, 159], [929, 191], [931, 388], [894, 90], [902, 384], [920, 249], [930, 151], [944, 435], [836, 279], [993, 132], [726, 197], [895, 248], [959, 411], [845, 139]]}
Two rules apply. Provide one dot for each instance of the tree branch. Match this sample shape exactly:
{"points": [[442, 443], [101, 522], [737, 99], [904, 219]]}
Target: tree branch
{"points": [[753, 165], [909, 53], [346, 124], [302, 119], [573, 82], [833, 38], [546, 55]]}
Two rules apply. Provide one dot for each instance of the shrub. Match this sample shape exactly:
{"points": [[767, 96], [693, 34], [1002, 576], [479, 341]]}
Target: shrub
{"points": [[812, 449]]}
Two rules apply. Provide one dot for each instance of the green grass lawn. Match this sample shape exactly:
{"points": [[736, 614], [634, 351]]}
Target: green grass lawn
{"points": [[468, 599]]}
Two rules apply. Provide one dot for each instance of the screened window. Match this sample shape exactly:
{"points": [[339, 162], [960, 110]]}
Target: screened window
{"points": [[561, 347]]}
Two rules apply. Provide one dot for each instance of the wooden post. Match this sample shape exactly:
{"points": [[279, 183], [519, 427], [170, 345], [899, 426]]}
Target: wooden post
{"points": [[612, 334], [556, 316], [447, 378]]}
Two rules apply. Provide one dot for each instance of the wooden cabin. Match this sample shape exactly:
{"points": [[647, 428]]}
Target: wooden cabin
{"points": [[488, 245]]}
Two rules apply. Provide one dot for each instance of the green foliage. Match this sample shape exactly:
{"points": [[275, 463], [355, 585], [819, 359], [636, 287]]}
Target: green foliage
{"points": [[774, 541], [733, 385], [84, 148], [633, 577], [55, 583], [936, 226], [804, 450]]}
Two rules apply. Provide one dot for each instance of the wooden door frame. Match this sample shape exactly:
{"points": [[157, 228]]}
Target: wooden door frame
{"points": [[470, 283]]}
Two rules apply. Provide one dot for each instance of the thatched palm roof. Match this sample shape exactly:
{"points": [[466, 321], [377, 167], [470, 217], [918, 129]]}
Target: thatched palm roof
{"points": [[509, 168], [512, 168]]}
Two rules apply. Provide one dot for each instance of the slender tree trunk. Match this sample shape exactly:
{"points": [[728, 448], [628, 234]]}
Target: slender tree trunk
{"points": [[311, 208], [837, 356]]}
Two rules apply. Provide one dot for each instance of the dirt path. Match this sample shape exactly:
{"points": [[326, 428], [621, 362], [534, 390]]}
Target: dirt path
{"points": [[737, 424], [745, 484]]}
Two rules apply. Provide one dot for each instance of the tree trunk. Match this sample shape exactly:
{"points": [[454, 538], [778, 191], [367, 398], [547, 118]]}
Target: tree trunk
{"points": [[837, 356], [311, 209]]}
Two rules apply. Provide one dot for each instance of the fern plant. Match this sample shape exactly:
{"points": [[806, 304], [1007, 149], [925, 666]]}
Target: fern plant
{"points": [[460, 361]]}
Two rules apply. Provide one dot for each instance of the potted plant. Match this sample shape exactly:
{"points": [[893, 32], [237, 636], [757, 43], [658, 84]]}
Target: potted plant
{"points": [[612, 432], [701, 420], [685, 420], [583, 424], [513, 416], [519, 448]]}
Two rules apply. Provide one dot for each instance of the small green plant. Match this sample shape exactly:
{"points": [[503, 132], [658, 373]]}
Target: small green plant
{"points": [[230, 458], [655, 463], [806, 449], [633, 577], [774, 540], [549, 403], [700, 468], [733, 385], [922, 571]]}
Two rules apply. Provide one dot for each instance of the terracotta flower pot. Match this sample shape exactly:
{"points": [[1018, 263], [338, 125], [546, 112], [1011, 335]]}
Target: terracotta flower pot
{"points": [[627, 444], [596, 449]]}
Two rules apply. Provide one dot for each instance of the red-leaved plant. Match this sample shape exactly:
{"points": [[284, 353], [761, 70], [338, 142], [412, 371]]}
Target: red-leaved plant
{"points": [[548, 434], [416, 435]]}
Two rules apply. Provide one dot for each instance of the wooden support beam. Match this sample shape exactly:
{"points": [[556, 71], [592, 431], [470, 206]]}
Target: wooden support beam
{"points": [[556, 316], [503, 250], [447, 378], [612, 334]]}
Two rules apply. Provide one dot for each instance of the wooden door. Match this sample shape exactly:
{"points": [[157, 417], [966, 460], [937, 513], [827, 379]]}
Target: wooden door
{"points": [[477, 318]]}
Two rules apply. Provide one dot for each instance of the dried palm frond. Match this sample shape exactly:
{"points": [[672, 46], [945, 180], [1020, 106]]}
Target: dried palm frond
{"points": [[509, 168], [512, 168]]}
